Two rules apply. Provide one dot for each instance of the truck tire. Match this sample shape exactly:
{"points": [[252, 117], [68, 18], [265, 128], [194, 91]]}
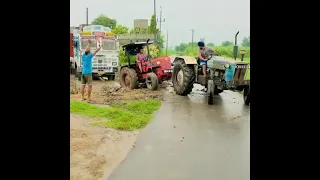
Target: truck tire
{"points": [[128, 78], [183, 78], [217, 91], [246, 95], [210, 91], [111, 77], [152, 81]]}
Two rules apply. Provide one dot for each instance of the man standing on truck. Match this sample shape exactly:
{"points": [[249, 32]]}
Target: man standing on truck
{"points": [[204, 53], [86, 76]]}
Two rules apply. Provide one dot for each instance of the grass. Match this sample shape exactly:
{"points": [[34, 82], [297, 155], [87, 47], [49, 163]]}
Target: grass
{"points": [[168, 53], [225, 51], [131, 116]]}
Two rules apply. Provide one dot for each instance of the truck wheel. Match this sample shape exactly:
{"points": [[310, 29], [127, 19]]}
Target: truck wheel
{"points": [[210, 91], [152, 81], [246, 95], [217, 91], [183, 78], [111, 77], [128, 78]]}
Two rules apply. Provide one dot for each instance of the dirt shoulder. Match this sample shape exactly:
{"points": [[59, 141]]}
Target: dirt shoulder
{"points": [[96, 151]]}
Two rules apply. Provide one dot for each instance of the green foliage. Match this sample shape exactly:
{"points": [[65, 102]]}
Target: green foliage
{"points": [[169, 51], [225, 51], [105, 21], [181, 47], [120, 29], [227, 43], [228, 51], [210, 44], [246, 41], [131, 116], [154, 52], [138, 30], [153, 26]]}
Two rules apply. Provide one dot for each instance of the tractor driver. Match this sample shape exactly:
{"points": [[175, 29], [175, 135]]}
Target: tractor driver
{"points": [[204, 53], [141, 56]]}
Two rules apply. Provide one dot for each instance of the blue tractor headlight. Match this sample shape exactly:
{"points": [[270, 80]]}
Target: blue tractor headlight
{"points": [[226, 66]]}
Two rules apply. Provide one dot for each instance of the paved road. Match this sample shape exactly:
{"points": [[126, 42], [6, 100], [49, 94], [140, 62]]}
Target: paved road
{"points": [[190, 140]]}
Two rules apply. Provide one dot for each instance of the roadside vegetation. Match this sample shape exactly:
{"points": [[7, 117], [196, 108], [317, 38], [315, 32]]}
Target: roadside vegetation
{"points": [[225, 49], [130, 116]]}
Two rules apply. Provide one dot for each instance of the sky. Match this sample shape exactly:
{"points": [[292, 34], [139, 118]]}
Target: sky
{"points": [[214, 20]]}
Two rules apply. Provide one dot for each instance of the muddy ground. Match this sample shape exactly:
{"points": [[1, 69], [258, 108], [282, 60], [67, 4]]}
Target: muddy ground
{"points": [[110, 92], [96, 151]]}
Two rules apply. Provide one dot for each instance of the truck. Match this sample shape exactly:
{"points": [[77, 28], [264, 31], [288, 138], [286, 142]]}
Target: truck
{"points": [[105, 63], [71, 45], [71, 53]]}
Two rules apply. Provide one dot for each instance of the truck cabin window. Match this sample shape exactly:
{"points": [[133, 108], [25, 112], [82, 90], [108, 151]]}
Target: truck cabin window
{"points": [[109, 45], [85, 43]]}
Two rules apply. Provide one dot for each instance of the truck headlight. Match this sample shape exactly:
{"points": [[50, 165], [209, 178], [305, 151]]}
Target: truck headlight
{"points": [[226, 66]]}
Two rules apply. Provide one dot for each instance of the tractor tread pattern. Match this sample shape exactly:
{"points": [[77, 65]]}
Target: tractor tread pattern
{"points": [[133, 77], [188, 78], [154, 81]]}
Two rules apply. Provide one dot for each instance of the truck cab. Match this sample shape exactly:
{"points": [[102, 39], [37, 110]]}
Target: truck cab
{"points": [[105, 63]]}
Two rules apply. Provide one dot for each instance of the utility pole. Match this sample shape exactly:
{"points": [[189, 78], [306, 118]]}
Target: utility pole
{"points": [[161, 20], [192, 37], [155, 21], [87, 16], [167, 43]]}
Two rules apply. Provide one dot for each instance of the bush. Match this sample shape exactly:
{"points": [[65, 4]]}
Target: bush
{"points": [[225, 51], [154, 51]]}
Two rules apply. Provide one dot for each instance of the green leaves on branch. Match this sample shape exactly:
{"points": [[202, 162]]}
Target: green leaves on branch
{"points": [[105, 21], [246, 41], [120, 29]]}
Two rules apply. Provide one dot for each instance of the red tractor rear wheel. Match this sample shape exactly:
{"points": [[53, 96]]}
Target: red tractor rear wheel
{"points": [[128, 78]]}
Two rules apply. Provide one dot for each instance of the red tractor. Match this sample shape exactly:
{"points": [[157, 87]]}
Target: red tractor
{"points": [[152, 72]]}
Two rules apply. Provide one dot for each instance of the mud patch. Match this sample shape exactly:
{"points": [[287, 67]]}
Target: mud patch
{"points": [[110, 95], [95, 151], [110, 92]]}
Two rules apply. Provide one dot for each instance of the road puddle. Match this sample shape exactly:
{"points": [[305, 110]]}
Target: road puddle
{"points": [[198, 95]]}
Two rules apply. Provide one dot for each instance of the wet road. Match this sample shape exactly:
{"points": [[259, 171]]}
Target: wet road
{"points": [[190, 140]]}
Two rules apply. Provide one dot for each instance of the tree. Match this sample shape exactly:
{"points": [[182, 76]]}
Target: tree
{"points": [[153, 26], [119, 29], [246, 41], [227, 43], [194, 44], [105, 21], [210, 44], [181, 47], [153, 29]]}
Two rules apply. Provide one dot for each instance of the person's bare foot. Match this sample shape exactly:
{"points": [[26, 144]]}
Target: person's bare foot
{"points": [[90, 101], [83, 99]]}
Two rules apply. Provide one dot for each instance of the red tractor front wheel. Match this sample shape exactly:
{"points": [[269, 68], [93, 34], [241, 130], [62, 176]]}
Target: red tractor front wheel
{"points": [[152, 81]]}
